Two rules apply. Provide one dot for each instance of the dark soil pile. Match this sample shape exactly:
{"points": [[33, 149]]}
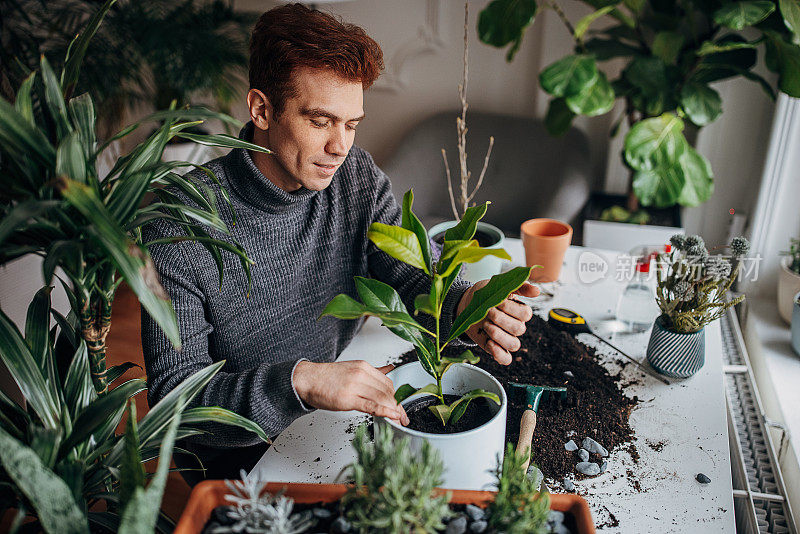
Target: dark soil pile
{"points": [[594, 405]]}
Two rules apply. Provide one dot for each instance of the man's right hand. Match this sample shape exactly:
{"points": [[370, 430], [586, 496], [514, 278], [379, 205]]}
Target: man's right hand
{"points": [[343, 386]]}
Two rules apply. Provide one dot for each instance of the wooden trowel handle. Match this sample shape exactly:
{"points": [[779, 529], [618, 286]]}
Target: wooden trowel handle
{"points": [[526, 427]]}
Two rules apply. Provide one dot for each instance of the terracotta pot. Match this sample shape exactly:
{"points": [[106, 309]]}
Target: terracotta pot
{"points": [[545, 241], [209, 494], [788, 286]]}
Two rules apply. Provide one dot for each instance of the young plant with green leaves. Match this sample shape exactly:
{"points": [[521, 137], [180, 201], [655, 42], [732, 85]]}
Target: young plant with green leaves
{"points": [[409, 243], [672, 52], [692, 285], [59, 453], [393, 489], [56, 205], [519, 507]]}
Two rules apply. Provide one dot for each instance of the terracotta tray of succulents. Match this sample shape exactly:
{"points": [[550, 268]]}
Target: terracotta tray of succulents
{"points": [[209, 495]]}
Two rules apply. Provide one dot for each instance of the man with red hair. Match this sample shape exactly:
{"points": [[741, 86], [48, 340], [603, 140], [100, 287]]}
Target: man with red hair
{"points": [[302, 214]]}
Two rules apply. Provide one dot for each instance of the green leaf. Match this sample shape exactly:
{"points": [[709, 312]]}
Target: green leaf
{"points": [[203, 414], [504, 22], [399, 243], [559, 117], [473, 254], [442, 411], [406, 390], [422, 303], [701, 103], [634, 5], [585, 22], [412, 223], [710, 47], [605, 49], [786, 57], [654, 143], [81, 112], [77, 49], [659, 187], [790, 10], [667, 46], [22, 213], [466, 357], [131, 469], [739, 15], [465, 229], [107, 407], [70, 158], [344, 307], [78, 388], [459, 407], [24, 103], [141, 514], [133, 263], [26, 373], [55, 99], [569, 76], [699, 184], [50, 496], [117, 371], [654, 83], [37, 324], [222, 140], [20, 139], [500, 286], [596, 99], [44, 442]]}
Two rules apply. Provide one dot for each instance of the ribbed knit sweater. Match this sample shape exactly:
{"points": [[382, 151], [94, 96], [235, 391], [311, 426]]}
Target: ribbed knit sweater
{"points": [[307, 247]]}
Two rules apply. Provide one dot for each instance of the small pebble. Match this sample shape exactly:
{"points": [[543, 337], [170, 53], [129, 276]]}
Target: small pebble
{"points": [[702, 479], [475, 513], [571, 446], [321, 513], [478, 527], [583, 454], [457, 525], [535, 474], [569, 374], [587, 468], [603, 466], [592, 446], [341, 526], [569, 485], [555, 516]]}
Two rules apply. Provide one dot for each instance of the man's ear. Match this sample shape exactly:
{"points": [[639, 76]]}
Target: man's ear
{"points": [[260, 108]]}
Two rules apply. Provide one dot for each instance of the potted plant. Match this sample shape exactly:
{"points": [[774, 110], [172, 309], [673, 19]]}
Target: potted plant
{"points": [[488, 235], [789, 279], [391, 492], [691, 292], [671, 52], [450, 395], [60, 455]]}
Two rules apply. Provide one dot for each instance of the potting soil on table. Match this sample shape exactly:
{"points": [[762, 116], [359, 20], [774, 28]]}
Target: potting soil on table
{"points": [[594, 407]]}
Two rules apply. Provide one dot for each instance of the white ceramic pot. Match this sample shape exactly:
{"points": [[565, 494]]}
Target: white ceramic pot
{"points": [[488, 266], [788, 286], [469, 457]]}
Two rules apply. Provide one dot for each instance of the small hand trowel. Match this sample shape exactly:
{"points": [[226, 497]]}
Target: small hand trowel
{"points": [[533, 395]]}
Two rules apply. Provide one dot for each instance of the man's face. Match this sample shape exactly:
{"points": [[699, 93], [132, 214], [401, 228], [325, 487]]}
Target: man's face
{"points": [[314, 132]]}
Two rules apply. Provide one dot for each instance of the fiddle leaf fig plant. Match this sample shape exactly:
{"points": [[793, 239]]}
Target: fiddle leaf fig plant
{"points": [[671, 53], [409, 244]]}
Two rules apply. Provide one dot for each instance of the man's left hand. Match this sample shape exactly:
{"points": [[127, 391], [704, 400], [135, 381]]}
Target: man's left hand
{"points": [[499, 331]]}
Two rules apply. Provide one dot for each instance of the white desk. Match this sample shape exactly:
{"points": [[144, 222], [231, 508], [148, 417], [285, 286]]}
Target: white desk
{"points": [[688, 417]]}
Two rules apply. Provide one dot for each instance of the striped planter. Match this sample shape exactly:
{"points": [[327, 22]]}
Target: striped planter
{"points": [[673, 354]]}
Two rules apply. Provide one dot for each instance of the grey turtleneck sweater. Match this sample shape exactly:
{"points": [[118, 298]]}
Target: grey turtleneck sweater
{"points": [[307, 247]]}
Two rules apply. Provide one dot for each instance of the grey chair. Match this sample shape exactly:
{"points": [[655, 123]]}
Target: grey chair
{"points": [[530, 174]]}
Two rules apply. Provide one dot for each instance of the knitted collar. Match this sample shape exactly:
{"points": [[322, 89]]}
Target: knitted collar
{"points": [[254, 188]]}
